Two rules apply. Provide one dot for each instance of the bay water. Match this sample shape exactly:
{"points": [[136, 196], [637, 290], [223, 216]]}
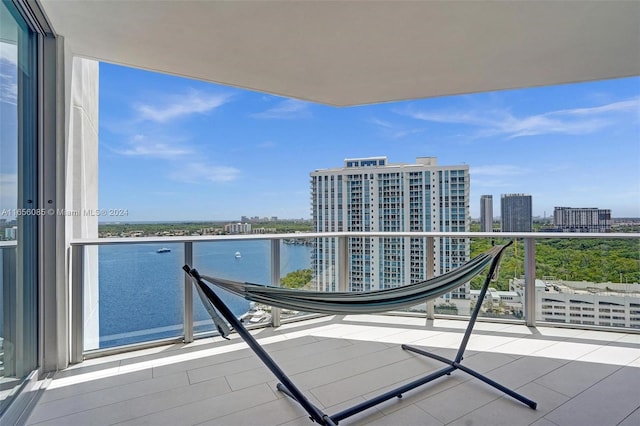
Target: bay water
{"points": [[142, 291]]}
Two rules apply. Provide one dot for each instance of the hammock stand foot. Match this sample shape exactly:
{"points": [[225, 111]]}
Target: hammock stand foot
{"points": [[454, 365]]}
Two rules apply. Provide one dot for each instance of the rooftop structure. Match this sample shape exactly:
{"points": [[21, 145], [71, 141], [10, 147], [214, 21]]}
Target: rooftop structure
{"points": [[572, 219]]}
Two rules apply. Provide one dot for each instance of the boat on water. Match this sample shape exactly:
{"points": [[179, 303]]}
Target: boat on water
{"points": [[255, 316], [238, 255], [163, 250]]}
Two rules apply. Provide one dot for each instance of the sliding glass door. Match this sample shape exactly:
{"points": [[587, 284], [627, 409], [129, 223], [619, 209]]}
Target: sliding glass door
{"points": [[18, 202]]}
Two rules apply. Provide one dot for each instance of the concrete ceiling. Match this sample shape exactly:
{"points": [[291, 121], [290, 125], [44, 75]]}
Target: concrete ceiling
{"points": [[353, 52]]}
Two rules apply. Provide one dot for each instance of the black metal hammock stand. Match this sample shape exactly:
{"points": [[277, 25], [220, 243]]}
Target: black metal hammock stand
{"points": [[341, 303]]}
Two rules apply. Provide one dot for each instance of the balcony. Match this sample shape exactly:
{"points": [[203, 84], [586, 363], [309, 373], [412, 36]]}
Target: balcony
{"points": [[578, 374]]}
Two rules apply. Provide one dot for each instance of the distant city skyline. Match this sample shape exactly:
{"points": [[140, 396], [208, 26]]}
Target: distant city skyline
{"points": [[175, 149]]}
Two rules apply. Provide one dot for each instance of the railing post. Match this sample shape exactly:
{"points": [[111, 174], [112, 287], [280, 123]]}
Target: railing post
{"points": [[431, 310], [275, 278], [8, 290], [343, 264], [77, 304], [530, 281], [187, 323]]}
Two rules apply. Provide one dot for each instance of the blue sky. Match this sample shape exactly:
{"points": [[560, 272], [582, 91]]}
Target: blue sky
{"points": [[179, 149]]}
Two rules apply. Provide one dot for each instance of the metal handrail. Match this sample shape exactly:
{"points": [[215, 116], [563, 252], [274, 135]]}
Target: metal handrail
{"points": [[205, 238], [77, 269]]}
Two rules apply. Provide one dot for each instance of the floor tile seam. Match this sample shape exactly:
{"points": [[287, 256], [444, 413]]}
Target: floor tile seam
{"points": [[629, 415], [537, 350], [405, 407], [463, 382], [253, 406], [546, 419], [421, 337], [378, 390], [620, 335], [588, 353], [571, 398], [511, 360], [274, 353], [106, 389], [219, 366], [551, 389], [375, 338], [475, 409], [131, 367], [95, 390], [342, 361], [628, 364], [415, 404], [179, 406], [288, 422], [493, 348], [345, 377], [634, 361], [261, 366], [557, 343], [112, 403]]}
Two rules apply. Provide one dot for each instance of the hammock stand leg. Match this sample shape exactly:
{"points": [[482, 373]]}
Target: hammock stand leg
{"points": [[452, 364], [455, 363], [285, 385]]}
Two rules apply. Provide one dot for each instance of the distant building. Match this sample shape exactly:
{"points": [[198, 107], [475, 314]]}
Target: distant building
{"points": [[369, 195], [516, 213], [587, 303], [568, 302], [591, 219], [486, 213], [11, 233], [237, 228]]}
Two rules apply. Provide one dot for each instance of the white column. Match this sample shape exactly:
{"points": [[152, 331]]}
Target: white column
{"points": [[81, 194]]}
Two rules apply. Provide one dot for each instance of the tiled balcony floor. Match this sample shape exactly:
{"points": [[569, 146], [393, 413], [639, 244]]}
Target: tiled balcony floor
{"points": [[577, 377]]}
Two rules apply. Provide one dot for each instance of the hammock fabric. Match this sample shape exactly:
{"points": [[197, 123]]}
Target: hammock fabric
{"points": [[359, 302], [367, 302]]}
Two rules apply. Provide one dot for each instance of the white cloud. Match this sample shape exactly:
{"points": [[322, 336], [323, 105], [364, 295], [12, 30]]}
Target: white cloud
{"points": [[8, 88], [498, 170], [204, 173], [8, 190], [496, 175], [9, 53], [630, 105], [8, 73], [381, 123], [140, 145], [267, 145], [287, 109], [575, 121], [176, 106], [491, 183], [392, 130]]}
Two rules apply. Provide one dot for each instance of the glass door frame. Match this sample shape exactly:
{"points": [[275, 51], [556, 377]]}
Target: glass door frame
{"points": [[33, 293]]}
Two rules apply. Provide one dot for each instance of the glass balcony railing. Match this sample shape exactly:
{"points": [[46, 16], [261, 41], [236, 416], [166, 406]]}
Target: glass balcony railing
{"points": [[133, 291]]}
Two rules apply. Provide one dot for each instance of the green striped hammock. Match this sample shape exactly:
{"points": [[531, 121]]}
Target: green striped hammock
{"points": [[342, 303]]}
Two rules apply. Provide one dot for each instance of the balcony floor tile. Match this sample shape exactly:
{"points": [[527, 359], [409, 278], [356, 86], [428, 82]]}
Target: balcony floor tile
{"points": [[576, 376]]}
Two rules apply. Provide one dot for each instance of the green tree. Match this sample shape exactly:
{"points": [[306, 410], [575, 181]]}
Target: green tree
{"points": [[297, 279]]}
